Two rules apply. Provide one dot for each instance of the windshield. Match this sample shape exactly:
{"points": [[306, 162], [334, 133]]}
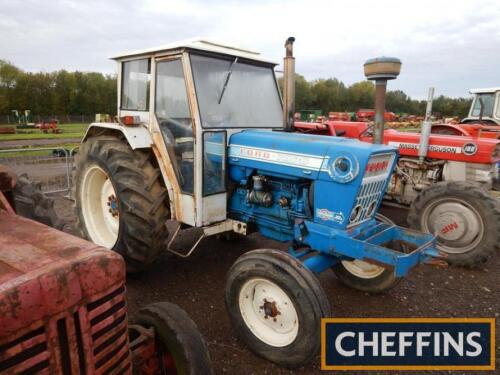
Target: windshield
{"points": [[248, 94], [488, 101]]}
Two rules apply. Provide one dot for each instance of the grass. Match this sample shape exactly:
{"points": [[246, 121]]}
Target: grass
{"points": [[68, 131]]}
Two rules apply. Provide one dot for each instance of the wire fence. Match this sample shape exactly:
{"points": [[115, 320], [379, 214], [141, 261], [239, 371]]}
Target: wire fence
{"points": [[63, 119], [49, 167]]}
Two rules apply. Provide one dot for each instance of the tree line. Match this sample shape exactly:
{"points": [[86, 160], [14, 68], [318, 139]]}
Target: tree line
{"points": [[86, 93], [56, 93], [332, 95]]}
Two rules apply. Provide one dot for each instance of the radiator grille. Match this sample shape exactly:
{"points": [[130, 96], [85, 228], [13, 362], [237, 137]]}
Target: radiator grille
{"points": [[107, 317], [372, 188], [61, 345], [27, 354]]}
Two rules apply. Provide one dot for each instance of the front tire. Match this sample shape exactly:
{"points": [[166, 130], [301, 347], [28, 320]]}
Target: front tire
{"points": [[276, 305], [364, 276], [181, 347], [464, 217], [120, 201]]}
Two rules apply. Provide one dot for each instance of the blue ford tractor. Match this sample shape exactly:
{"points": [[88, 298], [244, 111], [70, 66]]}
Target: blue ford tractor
{"points": [[202, 139]]}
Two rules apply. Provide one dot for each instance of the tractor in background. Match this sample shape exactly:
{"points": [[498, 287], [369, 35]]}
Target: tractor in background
{"points": [[49, 126], [63, 307], [483, 119], [368, 115], [205, 139], [449, 183]]}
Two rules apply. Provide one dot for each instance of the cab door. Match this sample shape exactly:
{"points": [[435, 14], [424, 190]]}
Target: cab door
{"points": [[196, 158], [174, 121]]}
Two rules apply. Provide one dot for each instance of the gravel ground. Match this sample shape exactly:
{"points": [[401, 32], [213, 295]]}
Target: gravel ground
{"points": [[197, 285]]}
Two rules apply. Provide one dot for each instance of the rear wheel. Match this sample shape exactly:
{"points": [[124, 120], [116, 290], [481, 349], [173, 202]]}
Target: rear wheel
{"points": [[119, 200], [276, 306], [464, 217], [180, 347], [364, 276], [32, 203]]}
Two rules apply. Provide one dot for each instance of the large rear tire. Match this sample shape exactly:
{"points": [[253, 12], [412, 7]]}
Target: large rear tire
{"points": [[275, 305], [31, 202], [182, 349], [120, 201], [464, 217], [364, 276]]}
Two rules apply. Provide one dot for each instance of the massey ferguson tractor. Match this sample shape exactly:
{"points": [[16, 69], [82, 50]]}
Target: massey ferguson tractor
{"points": [[204, 139], [448, 182], [63, 308], [483, 119]]}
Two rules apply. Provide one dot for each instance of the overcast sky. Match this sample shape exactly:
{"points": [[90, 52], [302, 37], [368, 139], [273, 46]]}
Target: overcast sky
{"points": [[452, 45]]}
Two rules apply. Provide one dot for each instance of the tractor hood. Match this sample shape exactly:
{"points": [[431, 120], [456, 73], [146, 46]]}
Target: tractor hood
{"points": [[45, 272], [296, 154]]}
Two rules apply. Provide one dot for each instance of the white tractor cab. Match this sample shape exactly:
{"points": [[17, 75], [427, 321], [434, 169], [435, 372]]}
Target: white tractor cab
{"points": [[485, 106], [170, 98]]}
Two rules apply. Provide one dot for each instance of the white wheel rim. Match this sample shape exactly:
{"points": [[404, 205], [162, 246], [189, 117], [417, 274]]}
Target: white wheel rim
{"points": [[458, 225], [362, 269], [268, 312], [99, 207]]}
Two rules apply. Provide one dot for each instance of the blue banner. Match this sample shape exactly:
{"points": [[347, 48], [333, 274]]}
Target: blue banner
{"points": [[406, 343]]}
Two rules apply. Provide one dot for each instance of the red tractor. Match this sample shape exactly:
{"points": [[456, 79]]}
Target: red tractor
{"points": [[49, 127], [63, 308], [449, 183], [369, 115], [483, 119]]}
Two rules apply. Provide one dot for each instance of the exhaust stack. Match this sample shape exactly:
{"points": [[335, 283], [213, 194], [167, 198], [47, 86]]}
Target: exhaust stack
{"points": [[289, 86], [425, 133], [381, 69]]}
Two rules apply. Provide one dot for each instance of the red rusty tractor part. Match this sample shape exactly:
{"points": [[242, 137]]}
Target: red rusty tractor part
{"points": [[63, 307]]}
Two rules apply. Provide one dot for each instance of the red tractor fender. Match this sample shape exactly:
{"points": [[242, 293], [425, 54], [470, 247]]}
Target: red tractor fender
{"points": [[450, 129]]}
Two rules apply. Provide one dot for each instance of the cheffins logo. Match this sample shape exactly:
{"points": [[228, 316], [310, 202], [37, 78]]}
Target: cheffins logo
{"points": [[408, 344]]}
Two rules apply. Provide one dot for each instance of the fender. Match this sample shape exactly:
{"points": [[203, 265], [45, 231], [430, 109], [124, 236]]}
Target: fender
{"points": [[449, 129], [137, 136]]}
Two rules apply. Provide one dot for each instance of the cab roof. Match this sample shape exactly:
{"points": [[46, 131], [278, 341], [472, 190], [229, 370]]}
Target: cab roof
{"points": [[485, 91], [197, 44]]}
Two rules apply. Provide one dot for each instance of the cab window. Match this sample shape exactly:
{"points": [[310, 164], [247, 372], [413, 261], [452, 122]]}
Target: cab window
{"points": [[488, 102], [498, 105], [235, 94], [135, 85], [174, 118]]}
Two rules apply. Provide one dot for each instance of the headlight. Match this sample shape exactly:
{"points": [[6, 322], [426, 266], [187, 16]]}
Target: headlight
{"points": [[343, 168], [355, 213]]}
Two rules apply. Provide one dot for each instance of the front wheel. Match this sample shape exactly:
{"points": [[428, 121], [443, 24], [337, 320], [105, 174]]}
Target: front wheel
{"points": [[464, 217], [180, 347], [275, 305], [364, 276]]}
